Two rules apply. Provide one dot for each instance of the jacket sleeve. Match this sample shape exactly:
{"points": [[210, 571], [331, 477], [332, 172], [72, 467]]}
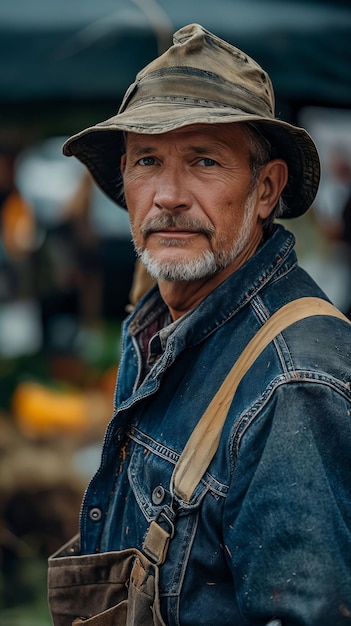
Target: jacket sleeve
{"points": [[287, 520]]}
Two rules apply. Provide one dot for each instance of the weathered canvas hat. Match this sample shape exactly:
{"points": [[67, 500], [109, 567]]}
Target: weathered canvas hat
{"points": [[200, 79]]}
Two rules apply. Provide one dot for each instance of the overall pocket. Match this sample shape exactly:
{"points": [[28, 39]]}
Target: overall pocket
{"points": [[107, 589]]}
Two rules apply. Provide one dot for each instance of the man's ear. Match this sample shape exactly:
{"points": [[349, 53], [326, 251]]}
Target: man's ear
{"points": [[272, 181], [123, 163]]}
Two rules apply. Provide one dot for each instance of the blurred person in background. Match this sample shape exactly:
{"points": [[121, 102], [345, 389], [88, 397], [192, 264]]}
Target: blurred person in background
{"points": [[345, 234], [335, 194], [333, 213], [17, 225], [204, 167]]}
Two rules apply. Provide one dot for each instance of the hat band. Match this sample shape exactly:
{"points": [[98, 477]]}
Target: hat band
{"points": [[198, 88]]}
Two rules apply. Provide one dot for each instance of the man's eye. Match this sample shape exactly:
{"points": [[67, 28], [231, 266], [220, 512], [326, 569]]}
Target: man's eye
{"points": [[147, 161], [207, 162]]}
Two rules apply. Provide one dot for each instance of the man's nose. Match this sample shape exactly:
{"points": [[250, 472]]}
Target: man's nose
{"points": [[171, 192]]}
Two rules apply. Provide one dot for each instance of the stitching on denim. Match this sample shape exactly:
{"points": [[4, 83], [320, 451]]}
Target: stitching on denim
{"points": [[279, 342], [249, 416], [208, 482]]}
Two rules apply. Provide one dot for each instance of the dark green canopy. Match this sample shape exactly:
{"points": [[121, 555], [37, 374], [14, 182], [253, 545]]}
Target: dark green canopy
{"points": [[92, 49]]}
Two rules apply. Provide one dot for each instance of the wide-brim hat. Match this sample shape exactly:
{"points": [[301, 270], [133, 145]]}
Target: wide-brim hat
{"points": [[200, 79]]}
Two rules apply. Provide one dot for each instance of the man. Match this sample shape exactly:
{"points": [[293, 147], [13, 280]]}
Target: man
{"points": [[204, 169]]}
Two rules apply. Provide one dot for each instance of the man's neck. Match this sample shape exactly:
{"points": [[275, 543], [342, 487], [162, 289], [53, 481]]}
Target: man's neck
{"points": [[181, 297]]}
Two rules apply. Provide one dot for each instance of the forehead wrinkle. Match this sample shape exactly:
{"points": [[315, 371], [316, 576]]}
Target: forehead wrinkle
{"points": [[211, 148], [211, 141], [140, 149]]}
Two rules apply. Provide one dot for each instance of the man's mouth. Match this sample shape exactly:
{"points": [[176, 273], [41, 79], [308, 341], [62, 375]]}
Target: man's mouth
{"points": [[173, 232], [179, 226]]}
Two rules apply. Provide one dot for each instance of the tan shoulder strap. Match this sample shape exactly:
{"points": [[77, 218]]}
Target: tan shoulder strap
{"points": [[203, 442]]}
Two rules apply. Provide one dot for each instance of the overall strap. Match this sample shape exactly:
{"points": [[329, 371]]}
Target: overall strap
{"points": [[203, 442]]}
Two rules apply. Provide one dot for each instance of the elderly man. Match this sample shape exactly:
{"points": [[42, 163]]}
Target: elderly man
{"points": [[263, 533]]}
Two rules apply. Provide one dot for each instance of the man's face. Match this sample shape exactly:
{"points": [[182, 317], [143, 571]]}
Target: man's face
{"points": [[189, 193]]}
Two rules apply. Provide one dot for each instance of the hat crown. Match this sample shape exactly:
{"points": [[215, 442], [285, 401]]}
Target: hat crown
{"points": [[200, 65]]}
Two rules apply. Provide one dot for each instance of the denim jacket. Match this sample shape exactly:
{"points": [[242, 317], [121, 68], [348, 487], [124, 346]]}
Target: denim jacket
{"points": [[267, 533]]}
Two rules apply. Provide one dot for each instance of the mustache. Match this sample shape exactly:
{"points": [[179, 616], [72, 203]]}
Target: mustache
{"points": [[179, 221]]}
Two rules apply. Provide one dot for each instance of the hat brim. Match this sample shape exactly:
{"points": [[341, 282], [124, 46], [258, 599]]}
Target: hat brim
{"points": [[100, 147]]}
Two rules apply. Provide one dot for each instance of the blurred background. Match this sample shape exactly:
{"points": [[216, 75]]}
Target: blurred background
{"points": [[66, 259]]}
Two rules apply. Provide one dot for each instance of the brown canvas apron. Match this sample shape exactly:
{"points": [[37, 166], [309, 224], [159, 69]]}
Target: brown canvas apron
{"points": [[121, 588], [108, 589], [112, 588]]}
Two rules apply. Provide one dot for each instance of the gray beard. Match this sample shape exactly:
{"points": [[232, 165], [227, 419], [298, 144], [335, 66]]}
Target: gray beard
{"points": [[209, 262], [182, 270]]}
